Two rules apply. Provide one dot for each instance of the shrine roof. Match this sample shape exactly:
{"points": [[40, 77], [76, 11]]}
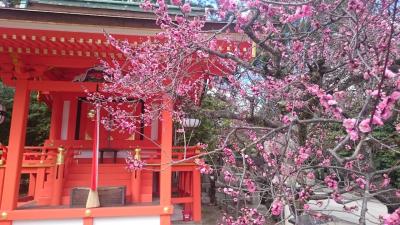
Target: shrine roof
{"points": [[59, 40], [121, 5], [108, 8]]}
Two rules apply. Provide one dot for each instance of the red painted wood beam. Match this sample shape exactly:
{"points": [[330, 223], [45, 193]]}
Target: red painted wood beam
{"points": [[88, 221], [180, 200], [57, 86], [62, 86], [60, 61], [43, 214], [16, 145], [166, 158], [87, 144]]}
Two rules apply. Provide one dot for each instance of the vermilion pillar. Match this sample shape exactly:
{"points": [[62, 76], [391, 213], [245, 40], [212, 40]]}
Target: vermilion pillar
{"points": [[196, 195], [166, 159], [16, 144]]}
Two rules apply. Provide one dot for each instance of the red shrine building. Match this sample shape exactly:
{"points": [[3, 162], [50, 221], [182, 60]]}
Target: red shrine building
{"points": [[45, 45]]}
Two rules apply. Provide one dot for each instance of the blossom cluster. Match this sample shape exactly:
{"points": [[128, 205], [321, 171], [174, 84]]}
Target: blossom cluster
{"points": [[132, 163], [313, 69]]}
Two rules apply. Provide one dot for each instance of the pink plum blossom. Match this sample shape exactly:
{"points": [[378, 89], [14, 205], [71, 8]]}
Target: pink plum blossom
{"points": [[392, 219], [364, 126], [186, 8], [277, 207]]}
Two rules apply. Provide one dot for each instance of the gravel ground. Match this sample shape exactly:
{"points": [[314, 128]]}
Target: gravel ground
{"points": [[210, 214]]}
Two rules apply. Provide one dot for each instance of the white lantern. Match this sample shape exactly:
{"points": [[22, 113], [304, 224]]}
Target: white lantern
{"points": [[2, 113], [190, 122]]}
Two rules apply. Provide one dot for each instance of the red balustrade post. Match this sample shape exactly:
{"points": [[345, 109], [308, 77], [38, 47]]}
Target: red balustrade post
{"points": [[136, 186], [40, 176], [32, 184], [136, 179], [58, 177], [196, 193]]}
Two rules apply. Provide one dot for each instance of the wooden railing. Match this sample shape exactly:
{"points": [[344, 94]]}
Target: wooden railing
{"points": [[47, 156], [37, 155], [33, 155]]}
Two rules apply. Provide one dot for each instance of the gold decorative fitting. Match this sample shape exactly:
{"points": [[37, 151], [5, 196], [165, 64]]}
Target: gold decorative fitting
{"points": [[166, 208], [60, 155], [91, 114], [4, 215], [137, 153], [1, 162], [88, 212]]}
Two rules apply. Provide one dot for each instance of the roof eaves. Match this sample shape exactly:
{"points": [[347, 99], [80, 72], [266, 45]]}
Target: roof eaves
{"points": [[113, 5]]}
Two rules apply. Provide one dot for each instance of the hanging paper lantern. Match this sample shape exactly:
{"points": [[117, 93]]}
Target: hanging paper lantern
{"points": [[190, 122]]}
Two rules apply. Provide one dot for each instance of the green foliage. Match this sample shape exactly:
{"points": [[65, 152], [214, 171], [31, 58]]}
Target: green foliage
{"points": [[6, 99], [383, 158], [209, 128], [38, 119]]}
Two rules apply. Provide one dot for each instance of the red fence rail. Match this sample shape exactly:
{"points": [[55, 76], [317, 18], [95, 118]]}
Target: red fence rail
{"points": [[44, 155]]}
